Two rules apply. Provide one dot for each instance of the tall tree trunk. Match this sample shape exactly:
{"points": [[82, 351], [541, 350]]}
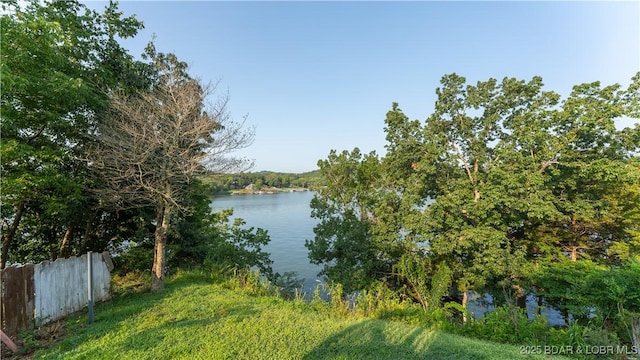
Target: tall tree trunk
{"points": [[574, 253], [162, 225], [465, 300], [65, 242], [9, 235], [574, 245]]}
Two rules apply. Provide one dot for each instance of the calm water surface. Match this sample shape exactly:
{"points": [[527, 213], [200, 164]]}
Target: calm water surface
{"points": [[287, 218]]}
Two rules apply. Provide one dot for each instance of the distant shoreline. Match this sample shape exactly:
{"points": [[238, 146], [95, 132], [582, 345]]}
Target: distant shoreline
{"points": [[267, 190]]}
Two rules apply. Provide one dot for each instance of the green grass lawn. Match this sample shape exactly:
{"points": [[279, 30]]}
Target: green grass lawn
{"points": [[196, 318]]}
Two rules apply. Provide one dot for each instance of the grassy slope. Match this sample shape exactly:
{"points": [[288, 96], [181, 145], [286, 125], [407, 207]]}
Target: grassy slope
{"points": [[197, 319]]}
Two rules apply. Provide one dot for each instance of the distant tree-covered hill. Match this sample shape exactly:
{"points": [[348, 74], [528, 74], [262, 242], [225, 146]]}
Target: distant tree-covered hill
{"points": [[226, 183]]}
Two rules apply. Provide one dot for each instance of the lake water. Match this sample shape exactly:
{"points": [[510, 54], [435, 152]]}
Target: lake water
{"points": [[287, 218]]}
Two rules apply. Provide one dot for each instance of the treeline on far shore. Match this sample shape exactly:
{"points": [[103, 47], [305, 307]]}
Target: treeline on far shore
{"points": [[263, 180]]}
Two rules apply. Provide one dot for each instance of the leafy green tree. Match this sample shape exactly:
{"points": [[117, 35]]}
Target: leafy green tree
{"points": [[59, 60], [258, 184], [616, 293], [584, 289], [593, 162], [500, 164], [343, 242], [455, 171], [562, 285], [238, 246], [624, 199], [426, 283], [501, 179]]}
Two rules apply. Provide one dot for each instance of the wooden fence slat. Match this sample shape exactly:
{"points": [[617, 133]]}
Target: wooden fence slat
{"points": [[18, 299]]}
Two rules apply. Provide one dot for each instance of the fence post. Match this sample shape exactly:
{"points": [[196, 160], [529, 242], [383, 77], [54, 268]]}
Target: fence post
{"points": [[90, 284]]}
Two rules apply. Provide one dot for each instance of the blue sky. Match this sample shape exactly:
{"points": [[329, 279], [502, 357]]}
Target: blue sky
{"points": [[316, 76]]}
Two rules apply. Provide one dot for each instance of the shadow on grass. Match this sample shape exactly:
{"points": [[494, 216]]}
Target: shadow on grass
{"points": [[376, 339], [373, 339]]}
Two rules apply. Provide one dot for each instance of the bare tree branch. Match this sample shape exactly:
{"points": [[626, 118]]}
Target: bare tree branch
{"points": [[154, 143]]}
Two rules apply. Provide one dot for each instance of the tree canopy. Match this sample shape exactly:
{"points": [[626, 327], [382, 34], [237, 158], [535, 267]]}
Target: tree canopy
{"points": [[100, 149], [503, 180], [59, 61]]}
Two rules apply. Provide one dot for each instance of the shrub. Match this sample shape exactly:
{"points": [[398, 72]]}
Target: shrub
{"points": [[131, 282], [507, 324], [251, 281], [137, 257], [288, 285]]}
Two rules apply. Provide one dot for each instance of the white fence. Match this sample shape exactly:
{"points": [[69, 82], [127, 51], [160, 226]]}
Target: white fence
{"points": [[61, 286], [51, 290]]}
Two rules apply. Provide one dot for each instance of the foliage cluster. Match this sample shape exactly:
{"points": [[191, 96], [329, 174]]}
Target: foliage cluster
{"points": [[505, 189], [102, 151], [59, 62]]}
